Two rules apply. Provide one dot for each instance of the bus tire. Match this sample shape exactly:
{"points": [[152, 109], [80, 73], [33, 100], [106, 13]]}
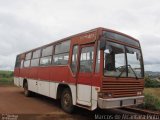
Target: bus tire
{"points": [[66, 101], [27, 93]]}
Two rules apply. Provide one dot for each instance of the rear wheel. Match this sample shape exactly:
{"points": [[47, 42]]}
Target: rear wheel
{"points": [[66, 101], [27, 93]]}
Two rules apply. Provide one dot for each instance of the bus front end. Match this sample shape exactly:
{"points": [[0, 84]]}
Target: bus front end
{"points": [[123, 71]]}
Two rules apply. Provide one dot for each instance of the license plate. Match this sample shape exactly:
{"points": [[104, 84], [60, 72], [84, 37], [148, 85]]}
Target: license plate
{"points": [[139, 100]]}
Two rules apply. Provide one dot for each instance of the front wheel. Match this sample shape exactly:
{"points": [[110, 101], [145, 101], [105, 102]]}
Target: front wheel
{"points": [[66, 101], [27, 93]]}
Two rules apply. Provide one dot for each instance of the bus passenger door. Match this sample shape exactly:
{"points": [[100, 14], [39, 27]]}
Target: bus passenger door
{"points": [[84, 76]]}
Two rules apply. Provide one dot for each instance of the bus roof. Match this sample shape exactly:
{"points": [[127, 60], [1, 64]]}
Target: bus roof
{"points": [[92, 30]]}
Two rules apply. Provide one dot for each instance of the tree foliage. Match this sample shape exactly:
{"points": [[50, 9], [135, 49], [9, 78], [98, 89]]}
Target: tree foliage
{"points": [[151, 83]]}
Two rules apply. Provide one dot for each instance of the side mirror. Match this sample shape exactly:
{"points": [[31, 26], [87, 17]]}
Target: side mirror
{"points": [[138, 56], [102, 43], [107, 51]]}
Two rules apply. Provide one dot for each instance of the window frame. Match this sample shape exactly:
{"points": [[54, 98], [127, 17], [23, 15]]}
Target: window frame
{"points": [[31, 52], [36, 57], [59, 53], [53, 63], [126, 60], [61, 43], [45, 64], [74, 73], [41, 57], [33, 60], [45, 48], [40, 53], [98, 54], [119, 37], [85, 46], [18, 61], [25, 60], [28, 65]]}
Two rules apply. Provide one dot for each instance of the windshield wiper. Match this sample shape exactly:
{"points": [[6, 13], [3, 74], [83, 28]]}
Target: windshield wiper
{"points": [[124, 69], [133, 71]]}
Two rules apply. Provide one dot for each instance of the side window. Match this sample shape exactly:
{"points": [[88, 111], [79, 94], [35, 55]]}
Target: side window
{"points": [[74, 59], [114, 60], [98, 59], [34, 62], [22, 63], [28, 56], [45, 60], [27, 59], [62, 47], [18, 62], [47, 51], [27, 63], [86, 60], [61, 59], [46, 56], [36, 54], [61, 55], [35, 58]]}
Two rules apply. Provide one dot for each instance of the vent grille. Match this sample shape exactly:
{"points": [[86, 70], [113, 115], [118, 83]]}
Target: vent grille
{"points": [[122, 88]]}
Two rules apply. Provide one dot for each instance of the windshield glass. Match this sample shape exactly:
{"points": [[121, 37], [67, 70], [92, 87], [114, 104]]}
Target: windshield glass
{"points": [[122, 61], [114, 60], [134, 62]]}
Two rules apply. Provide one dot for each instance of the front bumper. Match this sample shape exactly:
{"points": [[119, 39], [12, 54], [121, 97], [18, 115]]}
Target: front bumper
{"points": [[119, 102]]}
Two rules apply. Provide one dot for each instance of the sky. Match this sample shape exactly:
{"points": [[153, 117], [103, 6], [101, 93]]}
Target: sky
{"points": [[26, 24]]}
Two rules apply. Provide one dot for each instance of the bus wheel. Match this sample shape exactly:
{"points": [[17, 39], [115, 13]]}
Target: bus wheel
{"points": [[27, 93], [66, 101]]}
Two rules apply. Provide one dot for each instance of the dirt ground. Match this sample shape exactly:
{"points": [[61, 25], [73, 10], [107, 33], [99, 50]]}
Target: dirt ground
{"points": [[14, 105]]}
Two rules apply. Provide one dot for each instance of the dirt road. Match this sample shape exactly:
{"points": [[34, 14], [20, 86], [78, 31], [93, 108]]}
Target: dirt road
{"points": [[14, 104]]}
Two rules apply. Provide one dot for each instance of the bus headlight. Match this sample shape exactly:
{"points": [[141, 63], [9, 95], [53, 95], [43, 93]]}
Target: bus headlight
{"points": [[100, 95], [109, 94], [139, 93]]}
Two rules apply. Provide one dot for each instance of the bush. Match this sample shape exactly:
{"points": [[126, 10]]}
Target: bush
{"points": [[6, 77], [151, 102], [6, 81], [151, 83]]}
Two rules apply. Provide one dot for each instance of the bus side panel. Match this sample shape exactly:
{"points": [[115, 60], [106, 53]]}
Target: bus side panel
{"points": [[32, 85], [33, 73], [43, 80], [43, 87], [16, 76], [95, 89], [53, 89], [60, 73], [24, 72], [44, 73]]}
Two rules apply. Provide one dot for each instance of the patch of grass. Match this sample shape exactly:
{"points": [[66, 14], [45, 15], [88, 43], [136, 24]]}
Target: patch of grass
{"points": [[151, 102], [7, 81], [6, 77], [5, 72], [153, 91], [152, 99], [151, 83]]}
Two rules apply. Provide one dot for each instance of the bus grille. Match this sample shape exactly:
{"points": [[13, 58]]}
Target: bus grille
{"points": [[122, 88]]}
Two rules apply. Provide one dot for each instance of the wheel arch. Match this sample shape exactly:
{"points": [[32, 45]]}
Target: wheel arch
{"points": [[24, 81], [72, 89]]}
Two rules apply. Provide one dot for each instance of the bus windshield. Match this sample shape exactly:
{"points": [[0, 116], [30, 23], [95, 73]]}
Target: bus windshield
{"points": [[122, 61]]}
